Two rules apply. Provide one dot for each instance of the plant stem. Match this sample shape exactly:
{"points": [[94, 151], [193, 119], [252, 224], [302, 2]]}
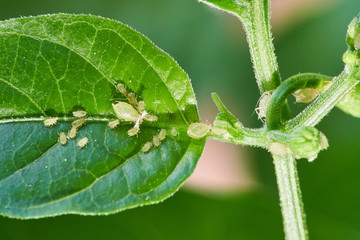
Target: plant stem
{"points": [[257, 27], [290, 198]]}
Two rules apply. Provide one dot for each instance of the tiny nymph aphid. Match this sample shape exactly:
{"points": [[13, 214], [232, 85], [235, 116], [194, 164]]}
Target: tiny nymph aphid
{"points": [[83, 142], [78, 122], [114, 124], [162, 134], [198, 130], [72, 132], [146, 147], [62, 138], [133, 131], [79, 114], [50, 122], [174, 132], [156, 140], [263, 102], [121, 88]]}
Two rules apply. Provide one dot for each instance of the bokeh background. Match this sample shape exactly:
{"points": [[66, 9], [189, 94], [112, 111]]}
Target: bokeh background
{"points": [[233, 192]]}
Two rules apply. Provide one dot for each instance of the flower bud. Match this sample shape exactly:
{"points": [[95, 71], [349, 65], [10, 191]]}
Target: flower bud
{"points": [[306, 142]]}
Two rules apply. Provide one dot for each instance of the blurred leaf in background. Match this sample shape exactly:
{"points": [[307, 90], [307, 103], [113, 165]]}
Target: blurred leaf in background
{"points": [[211, 47]]}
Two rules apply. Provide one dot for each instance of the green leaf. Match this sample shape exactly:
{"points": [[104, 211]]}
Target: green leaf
{"points": [[55, 64]]}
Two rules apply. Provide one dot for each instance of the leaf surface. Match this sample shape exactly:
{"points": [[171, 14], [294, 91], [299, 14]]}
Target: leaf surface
{"points": [[55, 64]]}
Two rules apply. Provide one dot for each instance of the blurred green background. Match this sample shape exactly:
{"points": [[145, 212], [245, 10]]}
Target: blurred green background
{"points": [[211, 47]]}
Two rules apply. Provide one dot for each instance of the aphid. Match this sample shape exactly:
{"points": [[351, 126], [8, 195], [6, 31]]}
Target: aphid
{"points": [[126, 112], [79, 114], [162, 134], [62, 138], [50, 122], [174, 132], [121, 88], [133, 131], [83, 142], [278, 149], [132, 99], [141, 106], [198, 130], [114, 124], [324, 142], [78, 122], [72, 132], [156, 140], [305, 95], [151, 118], [263, 102], [221, 132], [146, 147]]}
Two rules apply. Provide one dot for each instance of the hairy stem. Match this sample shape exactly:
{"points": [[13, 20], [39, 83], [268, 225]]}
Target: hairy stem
{"points": [[290, 198], [257, 27]]}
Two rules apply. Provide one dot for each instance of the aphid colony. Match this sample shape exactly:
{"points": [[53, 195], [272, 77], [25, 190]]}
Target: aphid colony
{"points": [[200, 130], [157, 139], [133, 111], [76, 124]]}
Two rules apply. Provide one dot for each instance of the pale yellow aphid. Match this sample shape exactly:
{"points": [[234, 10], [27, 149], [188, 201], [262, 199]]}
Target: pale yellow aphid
{"points": [[126, 112], [324, 142], [151, 118], [50, 122], [279, 149], [162, 134], [146, 147], [221, 132], [62, 138], [198, 130], [114, 124], [121, 88], [174, 132], [141, 106], [78, 122], [79, 114], [305, 95], [132, 99], [72, 132], [263, 102], [83, 142], [133, 131], [156, 140]]}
